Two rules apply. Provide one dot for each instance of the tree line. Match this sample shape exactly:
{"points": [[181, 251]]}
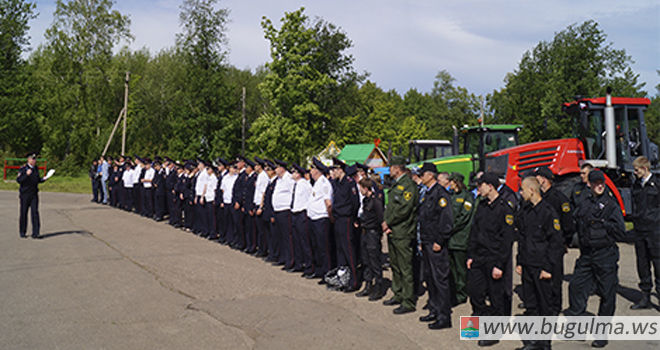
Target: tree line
{"points": [[186, 100]]}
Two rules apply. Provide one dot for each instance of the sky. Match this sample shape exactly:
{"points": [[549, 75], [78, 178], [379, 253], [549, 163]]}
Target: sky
{"points": [[404, 44]]}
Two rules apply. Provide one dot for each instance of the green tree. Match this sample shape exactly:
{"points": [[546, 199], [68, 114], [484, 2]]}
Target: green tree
{"points": [[73, 74], [652, 116], [308, 76], [17, 110], [578, 61], [208, 125]]}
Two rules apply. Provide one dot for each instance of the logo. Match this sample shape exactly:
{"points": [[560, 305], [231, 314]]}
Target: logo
{"points": [[407, 196], [565, 208], [509, 219], [469, 327], [555, 223], [442, 202], [467, 206]]}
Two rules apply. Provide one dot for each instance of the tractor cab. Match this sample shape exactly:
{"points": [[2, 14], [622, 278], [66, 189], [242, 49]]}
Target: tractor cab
{"points": [[422, 150], [480, 140], [612, 131]]}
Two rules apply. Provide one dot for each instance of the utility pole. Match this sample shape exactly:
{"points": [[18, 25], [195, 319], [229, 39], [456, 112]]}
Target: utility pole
{"points": [[123, 136], [243, 124], [481, 104]]}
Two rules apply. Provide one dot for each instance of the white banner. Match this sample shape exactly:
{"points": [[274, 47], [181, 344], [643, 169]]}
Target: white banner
{"points": [[560, 328]]}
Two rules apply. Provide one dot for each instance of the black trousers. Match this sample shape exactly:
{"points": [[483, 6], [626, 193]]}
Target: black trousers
{"points": [[481, 284], [128, 198], [221, 222], [209, 213], [371, 255], [436, 275], [30, 201], [159, 204], [599, 266], [284, 233], [321, 246], [148, 202], [346, 254], [200, 225], [96, 184], [175, 211], [273, 241], [647, 250], [302, 244], [556, 283], [138, 198], [236, 237], [188, 213], [250, 232], [263, 230], [539, 296]]}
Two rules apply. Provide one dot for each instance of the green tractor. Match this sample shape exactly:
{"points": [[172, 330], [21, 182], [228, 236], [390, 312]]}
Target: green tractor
{"points": [[476, 141]]}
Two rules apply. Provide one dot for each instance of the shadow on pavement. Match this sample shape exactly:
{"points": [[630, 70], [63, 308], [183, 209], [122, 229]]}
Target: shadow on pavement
{"points": [[61, 233]]}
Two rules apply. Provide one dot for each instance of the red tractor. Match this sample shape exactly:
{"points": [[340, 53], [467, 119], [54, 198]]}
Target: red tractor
{"points": [[609, 133]]}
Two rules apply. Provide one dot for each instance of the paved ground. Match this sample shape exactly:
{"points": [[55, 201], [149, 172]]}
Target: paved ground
{"points": [[105, 279]]}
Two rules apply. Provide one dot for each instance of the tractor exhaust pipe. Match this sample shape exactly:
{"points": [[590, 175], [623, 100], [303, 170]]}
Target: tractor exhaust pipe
{"points": [[610, 131]]}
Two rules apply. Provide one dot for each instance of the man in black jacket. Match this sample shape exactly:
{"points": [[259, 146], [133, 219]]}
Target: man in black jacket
{"points": [[540, 250], [29, 180], [646, 218], [435, 225], [489, 251], [600, 225]]}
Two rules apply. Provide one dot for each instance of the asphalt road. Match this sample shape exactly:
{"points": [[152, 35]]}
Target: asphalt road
{"points": [[105, 279]]}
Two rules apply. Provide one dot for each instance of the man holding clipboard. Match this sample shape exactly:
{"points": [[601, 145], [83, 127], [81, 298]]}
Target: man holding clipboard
{"points": [[29, 180]]}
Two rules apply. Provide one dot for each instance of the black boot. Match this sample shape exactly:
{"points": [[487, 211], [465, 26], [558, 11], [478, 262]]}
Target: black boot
{"points": [[644, 303], [368, 287], [377, 292]]}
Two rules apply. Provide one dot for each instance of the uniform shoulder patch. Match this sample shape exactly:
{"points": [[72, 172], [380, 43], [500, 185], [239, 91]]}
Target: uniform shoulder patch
{"points": [[442, 202], [407, 196], [510, 204], [400, 187], [556, 225], [509, 219], [467, 206], [460, 200], [565, 207], [578, 192]]}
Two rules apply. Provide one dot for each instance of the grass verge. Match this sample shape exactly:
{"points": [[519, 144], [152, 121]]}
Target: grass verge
{"points": [[77, 184]]}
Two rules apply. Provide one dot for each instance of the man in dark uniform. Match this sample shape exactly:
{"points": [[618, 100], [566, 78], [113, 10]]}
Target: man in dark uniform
{"points": [[561, 204], [237, 211], [170, 189], [581, 189], [160, 191], [220, 216], [188, 196], [646, 218], [176, 210], [371, 252], [268, 214], [249, 208], [462, 207], [435, 226], [345, 205], [400, 227], [540, 239], [96, 182], [29, 180], [600, 225], [489, 251], [138, 189]]}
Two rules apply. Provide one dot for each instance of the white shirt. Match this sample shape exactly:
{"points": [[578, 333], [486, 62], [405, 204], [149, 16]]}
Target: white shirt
{"points": [[260, 187], [148, 175], [136, 174], [202, 180], [211, 183], [321, 191], [302, 192], [227, 187], [283, 193], [646, 179], [127, 177]]}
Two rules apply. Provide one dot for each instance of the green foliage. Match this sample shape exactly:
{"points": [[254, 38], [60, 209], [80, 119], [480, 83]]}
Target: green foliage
{"points": [[305, 80], [652, 116], [578, 61], [20, 127]]}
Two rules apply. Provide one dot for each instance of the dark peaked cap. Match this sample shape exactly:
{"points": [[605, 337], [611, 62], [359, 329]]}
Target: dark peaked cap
{"points": [[319, 165], [281, 163]]}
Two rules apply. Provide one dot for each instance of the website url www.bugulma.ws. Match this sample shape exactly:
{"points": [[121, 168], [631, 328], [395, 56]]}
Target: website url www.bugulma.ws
{"points": [[560, 328]]}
